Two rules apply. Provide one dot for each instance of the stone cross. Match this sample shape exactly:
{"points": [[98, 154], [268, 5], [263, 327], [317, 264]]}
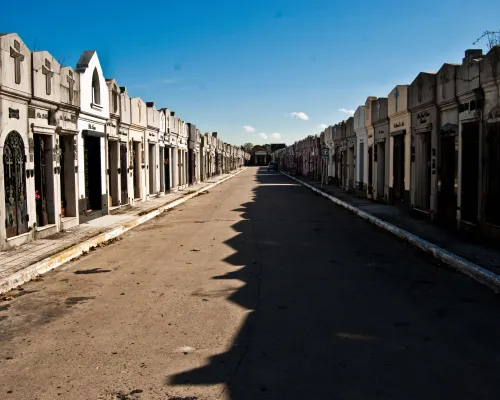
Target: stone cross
{"points": [[444, 79], [396, 95], [71, 83], [15, 53], [378, 109], [420, 84], [48, 76]]}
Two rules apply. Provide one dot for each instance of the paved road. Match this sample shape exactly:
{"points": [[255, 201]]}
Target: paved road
{"points": [[258, 290]]}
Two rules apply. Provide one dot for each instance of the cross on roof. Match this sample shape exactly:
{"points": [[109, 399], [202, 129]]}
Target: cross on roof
{"points": [[71, 83], [47, 71], [15, 53], [420, 85], [396, 95], [444, 80]]}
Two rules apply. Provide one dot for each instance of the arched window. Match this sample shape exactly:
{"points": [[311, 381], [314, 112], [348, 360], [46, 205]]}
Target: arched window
{"points": [[96, 88]]}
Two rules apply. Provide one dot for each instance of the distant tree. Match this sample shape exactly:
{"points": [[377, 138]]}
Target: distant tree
{"points": [[247, 147], [492, 39]]}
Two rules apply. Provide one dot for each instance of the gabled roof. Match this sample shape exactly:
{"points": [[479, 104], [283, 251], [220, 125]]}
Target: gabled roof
{"points": [[84, 60]]}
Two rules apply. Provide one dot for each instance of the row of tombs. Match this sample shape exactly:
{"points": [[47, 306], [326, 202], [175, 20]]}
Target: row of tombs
{"points": [[431, 147], [75, 146]]}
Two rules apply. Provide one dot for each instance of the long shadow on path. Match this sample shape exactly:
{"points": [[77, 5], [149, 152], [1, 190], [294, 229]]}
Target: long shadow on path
{"points": [[340, 310]]}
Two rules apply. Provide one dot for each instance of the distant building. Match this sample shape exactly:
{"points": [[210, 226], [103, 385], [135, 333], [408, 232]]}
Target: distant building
{"points": [[277, 146], [260, 155]]}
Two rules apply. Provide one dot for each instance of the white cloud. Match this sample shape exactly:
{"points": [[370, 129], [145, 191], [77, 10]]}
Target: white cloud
{"points": [[249, 128], [167, 80], [350, 112], [322, 126], [276, 135], [300, 115], [263, 135]]}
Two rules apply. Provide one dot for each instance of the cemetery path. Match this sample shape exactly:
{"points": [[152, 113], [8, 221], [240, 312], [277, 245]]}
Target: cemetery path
{"points": [[257, 290]]}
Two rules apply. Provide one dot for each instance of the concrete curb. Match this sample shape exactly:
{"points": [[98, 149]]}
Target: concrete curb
{"points": [[56, 260], [466, 267]]}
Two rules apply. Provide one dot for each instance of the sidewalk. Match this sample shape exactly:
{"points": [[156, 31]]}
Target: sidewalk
{"points": [[479, 254], [22, 263]]}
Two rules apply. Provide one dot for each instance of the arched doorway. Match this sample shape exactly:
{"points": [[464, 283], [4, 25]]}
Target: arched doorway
{"points": [[14, 167]]}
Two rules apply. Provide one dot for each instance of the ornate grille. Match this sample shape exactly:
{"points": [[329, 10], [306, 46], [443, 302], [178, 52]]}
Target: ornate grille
{"points": [[14, 165]]}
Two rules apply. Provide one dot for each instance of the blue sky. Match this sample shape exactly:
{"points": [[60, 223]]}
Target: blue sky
{"points": [[226, 65]]}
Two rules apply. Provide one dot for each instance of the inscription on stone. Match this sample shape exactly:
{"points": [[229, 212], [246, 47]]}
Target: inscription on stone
{"points": [[71, 118], [13, 113]]}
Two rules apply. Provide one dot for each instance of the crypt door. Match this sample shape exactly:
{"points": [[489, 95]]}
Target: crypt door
{"points": [[470, 172], [371, 157], [361, 156], [447, 198], [124, 173], [191, 166], [67, 176], [136, 168], [166, 167], [492, 208], [161, 162], [113, 149], [152, 169], [337, 157], [92, 168], [14, 169], [352, 165], [398, 171], [44, 191], [423, 171], [380, 170]]}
